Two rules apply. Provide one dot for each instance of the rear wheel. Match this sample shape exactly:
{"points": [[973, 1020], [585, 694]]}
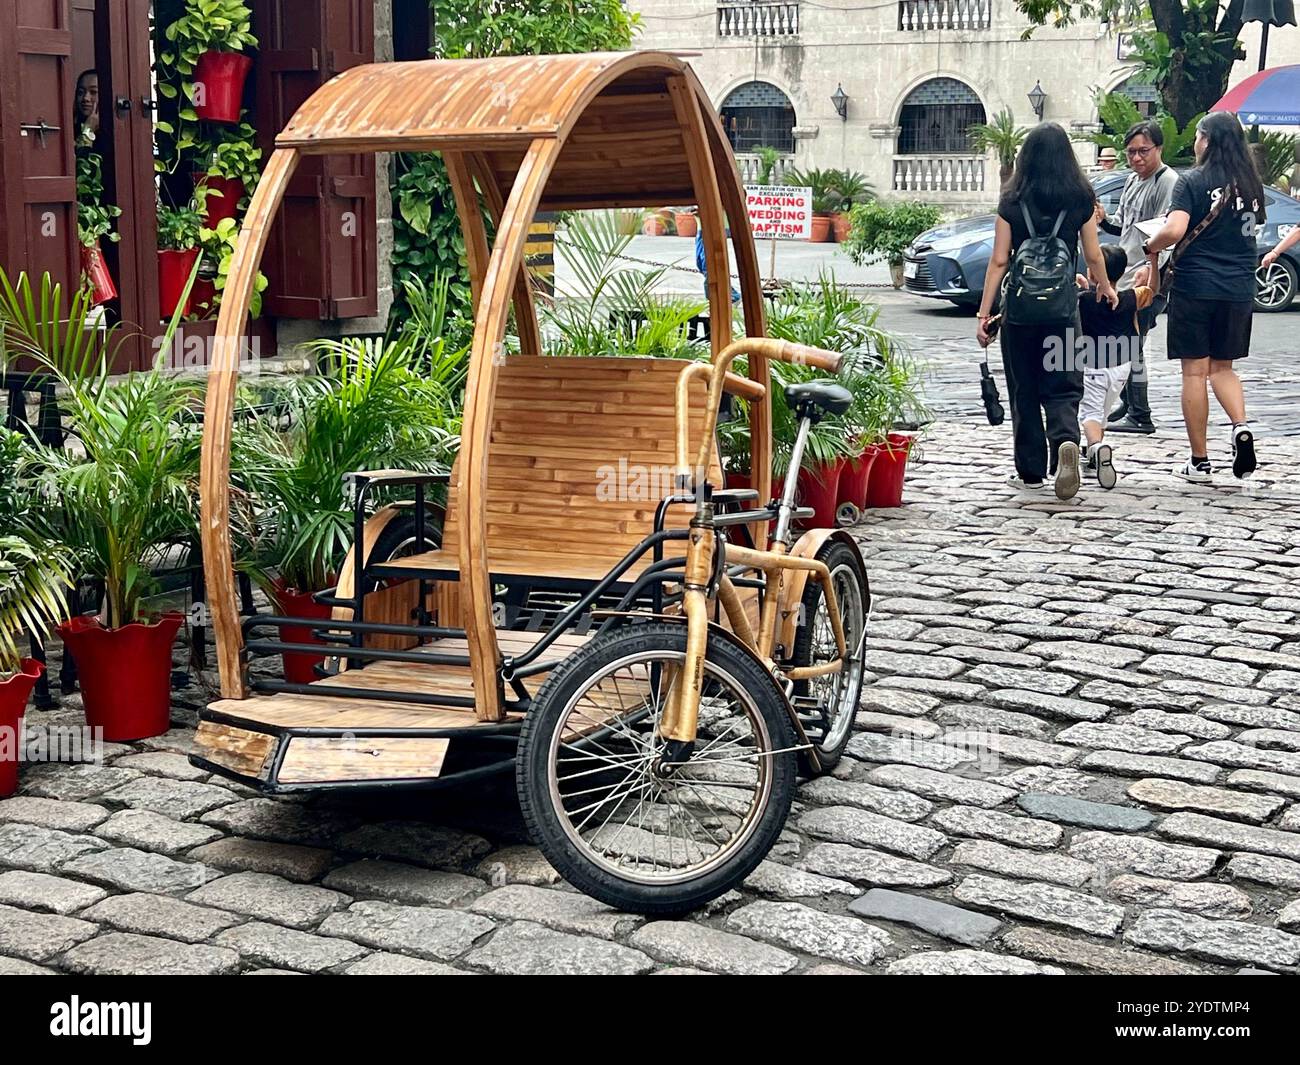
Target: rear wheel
{"points": [[1275, 286], [615, 816], [828, 703]]}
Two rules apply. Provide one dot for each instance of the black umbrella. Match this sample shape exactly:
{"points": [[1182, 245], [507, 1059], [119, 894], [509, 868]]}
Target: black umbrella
{"points": [[1270, 13]]}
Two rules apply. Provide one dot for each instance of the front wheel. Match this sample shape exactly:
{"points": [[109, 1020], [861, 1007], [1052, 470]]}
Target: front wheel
{"points": [[1275, 286], [618, 819], [829, 702]]}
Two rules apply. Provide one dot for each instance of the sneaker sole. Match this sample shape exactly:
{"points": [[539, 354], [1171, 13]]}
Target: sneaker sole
{"points": [[1067, 471], [1106, 475], [1243, 454]]}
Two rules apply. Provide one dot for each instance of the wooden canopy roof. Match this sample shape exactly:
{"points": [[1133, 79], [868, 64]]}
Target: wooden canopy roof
{"points": [[622, 137]]}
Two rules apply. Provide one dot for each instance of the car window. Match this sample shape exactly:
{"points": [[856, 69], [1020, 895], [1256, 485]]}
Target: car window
{"points": [[1108, 191]]}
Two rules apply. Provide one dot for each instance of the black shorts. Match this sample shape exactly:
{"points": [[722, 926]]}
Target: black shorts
{"points": [[1203, 328]]}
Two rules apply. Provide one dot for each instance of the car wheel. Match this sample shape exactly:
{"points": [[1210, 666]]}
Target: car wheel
{"points": [[1275, 286]]}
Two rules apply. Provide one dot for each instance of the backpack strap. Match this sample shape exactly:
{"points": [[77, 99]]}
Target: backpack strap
{"points": [[1059, 219], [1029, 222]]}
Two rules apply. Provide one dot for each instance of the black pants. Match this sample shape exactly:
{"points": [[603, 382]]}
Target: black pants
{"points": [[1134, 397], [1041, 385]]}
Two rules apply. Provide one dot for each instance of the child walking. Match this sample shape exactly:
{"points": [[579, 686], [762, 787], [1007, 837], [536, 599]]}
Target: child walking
{"points": [[1110, 339]]}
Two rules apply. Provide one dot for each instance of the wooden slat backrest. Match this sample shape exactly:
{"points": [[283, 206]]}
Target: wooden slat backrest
{"points": [[581, 454]]}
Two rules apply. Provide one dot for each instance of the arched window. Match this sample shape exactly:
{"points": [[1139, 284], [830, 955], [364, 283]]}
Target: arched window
{"points": [[757, 114], [1143, 94], [937, 116]]}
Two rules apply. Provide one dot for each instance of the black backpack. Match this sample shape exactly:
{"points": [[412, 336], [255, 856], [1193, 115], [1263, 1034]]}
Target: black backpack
{"points": [[1040, 288]]}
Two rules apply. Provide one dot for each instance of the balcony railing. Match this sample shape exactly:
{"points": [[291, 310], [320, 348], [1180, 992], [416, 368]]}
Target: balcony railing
{"points": [[751, 167], [758, 19], [945, 14], [938, 173]]}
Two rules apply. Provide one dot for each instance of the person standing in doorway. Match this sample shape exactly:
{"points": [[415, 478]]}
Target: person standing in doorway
{"points": [[1047, 199], [1145, 197], [1215, 212]]}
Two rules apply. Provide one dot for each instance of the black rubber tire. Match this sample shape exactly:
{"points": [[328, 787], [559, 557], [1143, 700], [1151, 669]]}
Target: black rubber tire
{"points": [[399, 533], [835, 554], [564, 684]]}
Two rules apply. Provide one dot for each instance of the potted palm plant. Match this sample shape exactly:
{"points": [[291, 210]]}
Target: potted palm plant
{"points": [[34, 577], [126, 495], [179, 236], [382, 403], [849, 187], [1001, 136], [825, 198], [208, 43]]}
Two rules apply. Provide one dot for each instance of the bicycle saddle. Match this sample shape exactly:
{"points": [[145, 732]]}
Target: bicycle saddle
{"points": [[816, 399]]}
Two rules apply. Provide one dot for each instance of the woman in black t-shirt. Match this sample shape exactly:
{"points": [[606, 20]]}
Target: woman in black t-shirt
{"points": [[1043, 380], [1211, 299]]}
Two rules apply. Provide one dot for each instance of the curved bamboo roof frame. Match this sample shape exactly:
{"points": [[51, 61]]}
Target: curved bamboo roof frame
{"points": [[589, 131]]}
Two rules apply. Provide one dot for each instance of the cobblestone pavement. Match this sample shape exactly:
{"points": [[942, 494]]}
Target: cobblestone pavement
{"points": [[1079, 751]]}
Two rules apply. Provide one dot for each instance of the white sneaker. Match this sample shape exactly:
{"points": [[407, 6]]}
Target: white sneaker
{"points": [[1067, 471], [1197, 473], [1026, 486]]}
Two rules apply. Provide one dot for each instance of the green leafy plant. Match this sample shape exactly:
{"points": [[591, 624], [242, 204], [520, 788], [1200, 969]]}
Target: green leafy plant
{"points": [[825, 196], [885, 228], [35, 574], [231, 153], [768, 157], [374, 408], [848, 187], [1003, 136], [218, 246], [94, 217], [1279, 156], [208, 26], [1118, 113], [180, 228]]}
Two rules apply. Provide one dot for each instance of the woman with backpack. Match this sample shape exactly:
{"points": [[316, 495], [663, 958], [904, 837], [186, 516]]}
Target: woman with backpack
{"points": [[1047, 209], [1216, 209]]}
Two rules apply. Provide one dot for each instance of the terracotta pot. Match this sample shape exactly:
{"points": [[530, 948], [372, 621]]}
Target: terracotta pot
{"points": [[819, 488], [173, 271], [14, 693], [654, 226], [821, 228], [686, 224], [856, 475], [223, 201], [96, 271], [896, 274], [219, 85], [885, 488], [125, 674], [299, 666], [840, 226]]}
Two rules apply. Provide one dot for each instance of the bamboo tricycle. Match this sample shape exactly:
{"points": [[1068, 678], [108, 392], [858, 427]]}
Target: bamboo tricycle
{"points": [[656, 666]]}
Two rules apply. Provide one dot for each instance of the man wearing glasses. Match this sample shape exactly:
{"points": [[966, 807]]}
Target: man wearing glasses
{"points": [[1146, 196]]}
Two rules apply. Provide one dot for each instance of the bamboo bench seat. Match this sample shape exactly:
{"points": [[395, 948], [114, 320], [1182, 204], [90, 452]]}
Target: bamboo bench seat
{"points": [[581, 454]]}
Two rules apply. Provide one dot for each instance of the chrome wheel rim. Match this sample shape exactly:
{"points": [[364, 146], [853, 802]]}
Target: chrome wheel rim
{"points": [[1272, 285], [610, 791], [837, 692]]}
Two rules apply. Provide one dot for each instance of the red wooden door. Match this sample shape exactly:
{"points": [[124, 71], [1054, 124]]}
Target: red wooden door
{"points": [[38, 205], [320, 257]]}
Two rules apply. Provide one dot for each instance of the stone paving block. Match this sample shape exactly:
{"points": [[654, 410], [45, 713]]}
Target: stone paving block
{"points": [[162, 764], [1023, 864], [1289, 918], [1115, 853], [1046, 705], [994, 825], [895, 725], [289, 860], [993, 745], [15, 967], [525, 949], [73, 783], [1177, 795], [801, 928], [1042, 902], [151, 831], [50, 813], [1265, 869], [844, 824], [968, 963], [929, 915], [270, 898], [696, 945], [1233, 942], [160, 915], [42, 849], [776, 881], [896, 701], [879, 796], [1143, 765], [936, 785], [865, 865], [124, 954], [1211, 900], [271, 944], [566, 911], [874, 748], [177, 799], [40, 891], [1253, 716], [398, 882], [517, 865], [128, 869], [418, 843], [283, 822], [1232, 835], [425, 932], [1201, 728], [1071, 811], [991, 719], [1052, 780], [40, 936], [1093, 957], [1100, 736], [381, 963]]}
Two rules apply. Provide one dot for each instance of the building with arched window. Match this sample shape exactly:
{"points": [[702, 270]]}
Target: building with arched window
{"points": [[758, 114]]}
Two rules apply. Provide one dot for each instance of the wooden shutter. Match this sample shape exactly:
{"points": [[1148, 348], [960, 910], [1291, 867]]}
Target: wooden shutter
{"points": [[320, 258], [38, 182]]}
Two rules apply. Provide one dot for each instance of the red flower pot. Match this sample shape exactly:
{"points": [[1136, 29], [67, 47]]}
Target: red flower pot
{"points": [[819, 488], [125, 674], [96, 272], [173, 271], [223, 198], [299, 666], [202, 297], [685, 224], [840, 226], [740, 479], [856, 475], [821, 228], [14, 693], [219, 85], [885, 488]]}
